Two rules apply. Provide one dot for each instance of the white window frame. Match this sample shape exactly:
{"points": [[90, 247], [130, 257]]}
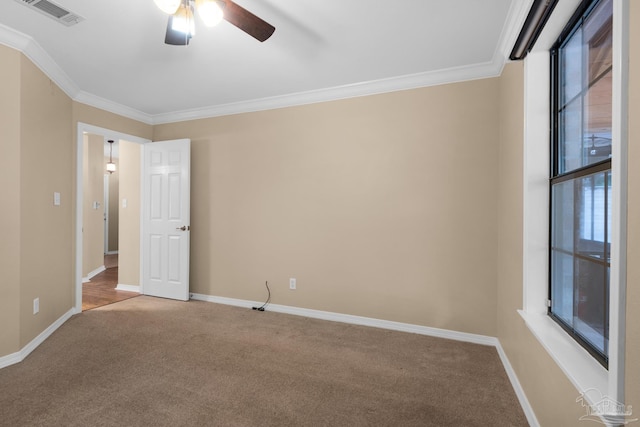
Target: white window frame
{"points": [[581, 368]]}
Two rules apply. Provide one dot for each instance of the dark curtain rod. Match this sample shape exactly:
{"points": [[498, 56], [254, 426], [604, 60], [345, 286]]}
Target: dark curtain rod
{"points": [[533, 25]]}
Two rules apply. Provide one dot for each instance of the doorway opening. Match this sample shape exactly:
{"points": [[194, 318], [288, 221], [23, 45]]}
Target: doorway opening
{"points": [[107, 215], [102, 289]]}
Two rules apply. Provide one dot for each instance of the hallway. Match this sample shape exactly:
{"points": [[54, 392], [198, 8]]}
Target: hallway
{"points": [[101, 289]]}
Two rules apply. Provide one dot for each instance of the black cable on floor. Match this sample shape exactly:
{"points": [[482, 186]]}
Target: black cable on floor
{"points": [[262, 307]]}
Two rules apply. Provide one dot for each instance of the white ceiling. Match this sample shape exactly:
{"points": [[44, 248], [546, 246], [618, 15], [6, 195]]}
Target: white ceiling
{"points": [[116, 58]]}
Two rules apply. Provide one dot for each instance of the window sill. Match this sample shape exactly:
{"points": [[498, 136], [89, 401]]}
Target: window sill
{"points": [[578, 365]]}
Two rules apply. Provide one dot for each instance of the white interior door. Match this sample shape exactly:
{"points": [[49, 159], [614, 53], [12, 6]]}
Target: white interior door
{"points": [[166, 219]]}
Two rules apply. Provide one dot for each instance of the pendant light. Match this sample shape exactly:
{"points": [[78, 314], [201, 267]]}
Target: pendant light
{"points": [[111, 167]]}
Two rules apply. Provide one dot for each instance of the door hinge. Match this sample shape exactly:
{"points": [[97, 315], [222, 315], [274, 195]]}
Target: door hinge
{"points": [[548, 303]]}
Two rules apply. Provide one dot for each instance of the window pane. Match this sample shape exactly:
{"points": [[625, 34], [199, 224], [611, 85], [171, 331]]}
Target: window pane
{"points": [[598, 32], [562, 286], [597, 118], [571, 147], [571, 77], [591, 209], [598, 35], [592, 296], [585, 103], [608, 244], [563, 216]]}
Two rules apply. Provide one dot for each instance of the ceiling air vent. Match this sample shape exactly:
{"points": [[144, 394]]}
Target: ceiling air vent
{"points": [[53, 11]]}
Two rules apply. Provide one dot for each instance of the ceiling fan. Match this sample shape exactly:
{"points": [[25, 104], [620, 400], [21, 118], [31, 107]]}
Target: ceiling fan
{"points": [[181, 25]]}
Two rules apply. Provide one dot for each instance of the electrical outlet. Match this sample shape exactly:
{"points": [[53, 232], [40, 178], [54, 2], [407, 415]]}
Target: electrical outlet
{"points": [[292, 283], [36, 305]]}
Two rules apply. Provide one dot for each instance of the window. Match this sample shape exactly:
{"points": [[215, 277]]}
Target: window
{"points": [[580, 182]]}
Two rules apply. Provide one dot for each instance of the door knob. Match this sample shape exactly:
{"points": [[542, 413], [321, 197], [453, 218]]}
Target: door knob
{"points": [[184, 228]]}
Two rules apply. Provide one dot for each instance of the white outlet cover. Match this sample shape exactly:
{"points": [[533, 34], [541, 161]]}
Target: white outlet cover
{"points": [[292, 283]]}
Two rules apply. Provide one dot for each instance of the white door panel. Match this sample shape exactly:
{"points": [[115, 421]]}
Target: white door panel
{"points": [[166, 219]]}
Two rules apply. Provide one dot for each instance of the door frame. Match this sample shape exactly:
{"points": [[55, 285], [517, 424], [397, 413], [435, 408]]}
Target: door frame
{"points": [[105, 206], [107, 134]]}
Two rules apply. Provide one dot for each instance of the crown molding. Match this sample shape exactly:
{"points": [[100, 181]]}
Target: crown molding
{"points": [[412, 81], [113, 107], [32, 50], [516, 16], [14, 39]]}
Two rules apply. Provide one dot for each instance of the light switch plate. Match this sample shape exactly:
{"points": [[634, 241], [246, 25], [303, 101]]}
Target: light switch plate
{"points": [[56, 199]]}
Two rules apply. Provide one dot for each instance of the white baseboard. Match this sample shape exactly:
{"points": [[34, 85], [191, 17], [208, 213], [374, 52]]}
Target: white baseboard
{"points": [[517, 387], [395, 326], [355, 320], [19, 356], [128, 288], [93, 273], [10, 359]]}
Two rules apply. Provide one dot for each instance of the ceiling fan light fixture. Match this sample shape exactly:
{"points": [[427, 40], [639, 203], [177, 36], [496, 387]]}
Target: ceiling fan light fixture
{"points": [[168, 6], [210, 11], [183, 20], [181, 26]]}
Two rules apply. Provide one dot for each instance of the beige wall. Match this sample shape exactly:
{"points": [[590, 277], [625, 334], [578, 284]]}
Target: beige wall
{"points": [[114, 185], [633, 231], [46, 147], [129, 217], [38, 142], [381, 206], [93, 218], [10, 196], [550, 393]]}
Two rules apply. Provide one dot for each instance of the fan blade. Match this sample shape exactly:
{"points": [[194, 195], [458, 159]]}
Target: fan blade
{"points": [[247, 21], [176, 38]]}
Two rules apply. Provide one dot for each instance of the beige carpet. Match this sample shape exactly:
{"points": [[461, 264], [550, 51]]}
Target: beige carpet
{"points": [[154, 362]]}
